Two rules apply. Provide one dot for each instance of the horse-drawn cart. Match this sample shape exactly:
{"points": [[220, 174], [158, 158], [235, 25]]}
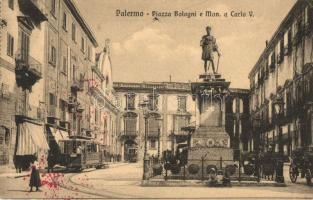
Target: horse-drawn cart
{"points": [[301, 165]]}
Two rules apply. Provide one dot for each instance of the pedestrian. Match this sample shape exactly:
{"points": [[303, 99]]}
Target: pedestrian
{"points": [[79, 149], [35, 175], [51, 161]]}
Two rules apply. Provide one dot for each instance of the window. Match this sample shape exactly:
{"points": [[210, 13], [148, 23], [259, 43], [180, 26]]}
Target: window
{"points": [[64, 21], [7, 137], [180, 121], [52, 7], [130, 125], [130, 101], [52, 55], [97, 115], [64, 65], [281, 51], [11, 4], [74, 32], [153, 126], [240, 105], [83, 45], [24, 46], [272, 65], [153, 101], [52, 99], [89, 53], [62, 109], [234, 106], [153, 144], [289, 40], [107, 80], [182, 103], [10, 45]]}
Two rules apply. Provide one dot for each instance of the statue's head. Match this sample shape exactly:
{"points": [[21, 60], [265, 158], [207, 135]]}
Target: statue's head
{"points": [[208, 29]]}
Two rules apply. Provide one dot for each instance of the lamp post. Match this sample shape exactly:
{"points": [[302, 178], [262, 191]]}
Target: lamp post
{"points": [[159, 142], [144, 107], [278, 108], [278, 104], [257, 123]]}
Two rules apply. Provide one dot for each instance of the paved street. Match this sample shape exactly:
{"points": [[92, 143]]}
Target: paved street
{"points": [[123, 181]]}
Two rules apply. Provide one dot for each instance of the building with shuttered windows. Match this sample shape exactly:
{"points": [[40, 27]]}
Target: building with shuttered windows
{"points": [[284, 74], [173, 102]]}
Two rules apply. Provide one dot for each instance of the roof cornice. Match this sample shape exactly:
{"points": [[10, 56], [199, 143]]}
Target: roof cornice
{"points": [[76, 13]]}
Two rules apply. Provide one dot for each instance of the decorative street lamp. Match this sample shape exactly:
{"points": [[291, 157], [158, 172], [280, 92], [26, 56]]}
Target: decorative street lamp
{"points": [[144, 107], [278, 104], [257, 128], [159, 139]]}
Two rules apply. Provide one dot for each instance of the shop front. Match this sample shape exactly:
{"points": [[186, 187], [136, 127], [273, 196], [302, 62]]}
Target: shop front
{"points": [[31, 144]]}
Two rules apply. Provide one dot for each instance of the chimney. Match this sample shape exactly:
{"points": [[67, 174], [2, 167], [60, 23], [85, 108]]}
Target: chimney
{"points": [[266, 43]]}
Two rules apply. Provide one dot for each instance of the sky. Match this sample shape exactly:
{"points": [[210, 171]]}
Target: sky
{"points": [[146, 50]]}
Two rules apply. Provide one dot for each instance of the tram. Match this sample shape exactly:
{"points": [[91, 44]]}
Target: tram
{"points": [[79, 154], [132, 154]]}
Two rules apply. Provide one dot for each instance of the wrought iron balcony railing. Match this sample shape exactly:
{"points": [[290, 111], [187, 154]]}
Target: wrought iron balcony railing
{"points": [[28, 66], [36, 8]]}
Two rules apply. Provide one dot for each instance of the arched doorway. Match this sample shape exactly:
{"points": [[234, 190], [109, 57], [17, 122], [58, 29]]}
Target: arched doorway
{"points": [[130, 150]]}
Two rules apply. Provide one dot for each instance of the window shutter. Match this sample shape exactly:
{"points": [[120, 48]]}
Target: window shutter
{"points": [[8, 44]]}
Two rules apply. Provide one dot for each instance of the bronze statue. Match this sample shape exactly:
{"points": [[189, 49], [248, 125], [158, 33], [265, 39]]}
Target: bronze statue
{"points": [[209, 45]]}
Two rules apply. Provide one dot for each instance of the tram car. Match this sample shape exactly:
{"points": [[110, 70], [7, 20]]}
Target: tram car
{"points": [[132, 154], [301, 165], [79, 154]]}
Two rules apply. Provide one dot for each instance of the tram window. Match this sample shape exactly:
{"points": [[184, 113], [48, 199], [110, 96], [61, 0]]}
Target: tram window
{"points": [[61, 144], [74, 147], [88, 148]]}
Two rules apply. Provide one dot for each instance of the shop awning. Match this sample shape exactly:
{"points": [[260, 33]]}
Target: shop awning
{"points": [[59, 134], [31, 139]]}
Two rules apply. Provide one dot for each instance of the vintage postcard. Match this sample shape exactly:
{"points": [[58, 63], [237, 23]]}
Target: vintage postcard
{"points": [[159, 99]]}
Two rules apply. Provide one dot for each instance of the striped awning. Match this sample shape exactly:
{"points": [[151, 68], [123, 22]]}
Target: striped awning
{"points": [[59, 134], [31, 139]]}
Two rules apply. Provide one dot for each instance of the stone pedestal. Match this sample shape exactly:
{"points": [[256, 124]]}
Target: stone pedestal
{"points": [[210, 144]]}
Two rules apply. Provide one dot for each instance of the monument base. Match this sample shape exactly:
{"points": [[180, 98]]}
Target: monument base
{"points": [[210, 148]]}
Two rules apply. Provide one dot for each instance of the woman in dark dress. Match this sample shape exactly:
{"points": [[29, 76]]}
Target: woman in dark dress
{"points": [[34, 176]]}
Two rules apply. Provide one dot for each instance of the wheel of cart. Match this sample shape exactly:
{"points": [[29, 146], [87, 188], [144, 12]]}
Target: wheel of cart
{"points": [[308, 176], [293, 173], [301, 164]]}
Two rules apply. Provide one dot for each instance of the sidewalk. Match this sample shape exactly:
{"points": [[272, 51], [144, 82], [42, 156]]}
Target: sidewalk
{"points": [[10, 172]]}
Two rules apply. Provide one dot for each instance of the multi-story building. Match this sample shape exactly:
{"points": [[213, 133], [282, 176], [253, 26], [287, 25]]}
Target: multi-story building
{"points": [[174, 103], [282, 80], [105, 117], [70, 55], [22, 81], [47, 75], [79, 81]]}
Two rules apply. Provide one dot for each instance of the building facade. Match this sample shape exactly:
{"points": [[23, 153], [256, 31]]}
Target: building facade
{"points": [[22, 81], [281, 85], [174, 103], [48, 75]]}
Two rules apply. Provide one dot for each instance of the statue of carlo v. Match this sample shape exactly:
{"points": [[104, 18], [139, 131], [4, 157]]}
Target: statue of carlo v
{"points": [[208, 44]]}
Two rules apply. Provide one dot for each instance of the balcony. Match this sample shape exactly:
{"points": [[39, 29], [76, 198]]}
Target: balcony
{"points": [[20, 109], [28, 70], [77, 85], [34, 8], [129, 133], [52, 112]]}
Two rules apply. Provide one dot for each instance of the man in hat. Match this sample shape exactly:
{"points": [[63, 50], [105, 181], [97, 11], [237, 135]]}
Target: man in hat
{"points": [[208, 44]]}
